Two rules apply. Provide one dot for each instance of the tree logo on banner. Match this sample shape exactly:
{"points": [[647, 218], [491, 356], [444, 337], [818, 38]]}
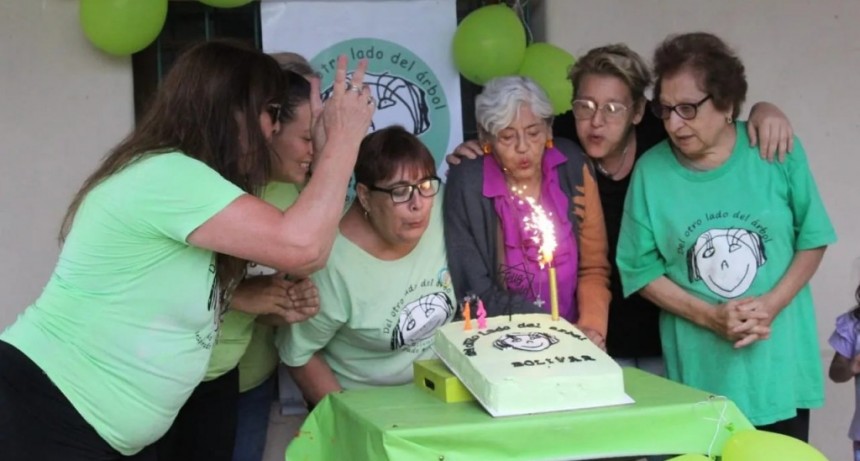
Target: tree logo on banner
{"points": [[407, 91]]}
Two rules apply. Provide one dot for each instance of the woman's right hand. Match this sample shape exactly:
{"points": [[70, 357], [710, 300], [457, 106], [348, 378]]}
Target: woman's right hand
{"points": [[469, 149], [348, 113], [738, 321], [281, 301]]}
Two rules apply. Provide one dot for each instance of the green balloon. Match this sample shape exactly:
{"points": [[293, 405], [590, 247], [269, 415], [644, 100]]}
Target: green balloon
{"points": [[226, 3], [767, 446], [489, 43], [122, 27], [547, 65]]}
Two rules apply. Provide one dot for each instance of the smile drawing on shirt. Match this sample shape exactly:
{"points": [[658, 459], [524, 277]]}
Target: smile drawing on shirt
{"points": [[420, 319], [726, 260]]}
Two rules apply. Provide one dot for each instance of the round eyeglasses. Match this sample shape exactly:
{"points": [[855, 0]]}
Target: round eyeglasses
{"points": [[584, 109], [686, 111], [427, 187]]}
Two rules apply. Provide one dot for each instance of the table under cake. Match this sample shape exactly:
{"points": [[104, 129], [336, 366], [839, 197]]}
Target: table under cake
{"points": [[406, 423]]}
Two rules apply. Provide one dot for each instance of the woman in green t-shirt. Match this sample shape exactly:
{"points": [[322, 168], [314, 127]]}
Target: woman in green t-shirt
{"points": [[99, 365]]}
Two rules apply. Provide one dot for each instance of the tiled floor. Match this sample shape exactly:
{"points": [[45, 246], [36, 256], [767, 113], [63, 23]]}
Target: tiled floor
{"points": [[281, 431]]}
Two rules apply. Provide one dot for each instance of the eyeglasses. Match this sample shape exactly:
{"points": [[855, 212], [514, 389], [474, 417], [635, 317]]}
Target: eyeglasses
{"points": [[686, 111], [427, 187], [584, 109], [274, 111]]}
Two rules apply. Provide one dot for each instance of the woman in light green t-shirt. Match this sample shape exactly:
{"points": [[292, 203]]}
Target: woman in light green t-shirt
{"points": [[100, 364], [235, 422], [386, 288]]}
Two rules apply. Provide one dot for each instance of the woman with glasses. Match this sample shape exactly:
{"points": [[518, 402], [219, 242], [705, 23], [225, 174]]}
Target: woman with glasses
{"points": [[386, 288], [615, 128], [726, 243], [493, 250]]}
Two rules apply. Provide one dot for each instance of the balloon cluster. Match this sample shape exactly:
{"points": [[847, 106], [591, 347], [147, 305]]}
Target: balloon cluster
{"points": [[491, 42], [123, 27]]}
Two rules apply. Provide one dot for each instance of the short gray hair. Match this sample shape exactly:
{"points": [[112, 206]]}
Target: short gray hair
{"points": [[497, 106]]}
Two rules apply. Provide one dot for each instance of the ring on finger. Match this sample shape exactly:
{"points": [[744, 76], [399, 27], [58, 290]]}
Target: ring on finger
{"points": [[354, 88]]}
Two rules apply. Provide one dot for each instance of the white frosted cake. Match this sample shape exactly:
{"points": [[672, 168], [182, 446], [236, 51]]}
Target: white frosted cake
{"points": [[530, 364]]}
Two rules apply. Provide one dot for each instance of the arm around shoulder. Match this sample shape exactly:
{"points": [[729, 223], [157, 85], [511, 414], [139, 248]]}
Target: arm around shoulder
{"points": [[593, 295]]}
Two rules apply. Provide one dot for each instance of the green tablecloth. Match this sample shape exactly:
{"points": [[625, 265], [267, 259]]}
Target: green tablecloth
{"points": [[406, 423]]}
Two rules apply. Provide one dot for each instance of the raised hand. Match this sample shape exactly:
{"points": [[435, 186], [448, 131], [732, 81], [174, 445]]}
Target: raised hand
{"points": [[349, 111]]}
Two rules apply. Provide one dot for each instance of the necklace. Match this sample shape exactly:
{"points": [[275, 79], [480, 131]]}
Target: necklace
{"points": [[611, 174]]}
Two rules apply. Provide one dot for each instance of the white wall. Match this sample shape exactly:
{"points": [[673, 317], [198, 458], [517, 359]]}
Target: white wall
{"points": [[803, 55], [63, 104]]}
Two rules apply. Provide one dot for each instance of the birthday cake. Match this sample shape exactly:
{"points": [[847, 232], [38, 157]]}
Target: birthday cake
{"points": [[530, 364]]}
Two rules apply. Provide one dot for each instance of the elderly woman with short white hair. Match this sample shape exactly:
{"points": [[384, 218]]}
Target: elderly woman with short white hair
{"points": [[493, 251]]}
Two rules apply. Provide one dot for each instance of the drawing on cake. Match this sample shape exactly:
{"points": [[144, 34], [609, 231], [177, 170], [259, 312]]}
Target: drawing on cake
{"points": [[726, 260], [527, 342], [419, 319]]}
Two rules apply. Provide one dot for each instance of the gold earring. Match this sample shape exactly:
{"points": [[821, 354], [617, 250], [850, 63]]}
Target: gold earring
{"points": [[728, 119], [549, 143], [487, 149]]}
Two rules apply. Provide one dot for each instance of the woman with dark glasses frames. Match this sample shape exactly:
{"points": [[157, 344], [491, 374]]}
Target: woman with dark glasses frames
{"points": [[154, 243], [726, 243], [386, 288]]}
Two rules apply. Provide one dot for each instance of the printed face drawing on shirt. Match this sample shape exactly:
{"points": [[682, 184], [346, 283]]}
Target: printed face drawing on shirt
{"points": [[726, 260], [420, 319], [528, 342]]}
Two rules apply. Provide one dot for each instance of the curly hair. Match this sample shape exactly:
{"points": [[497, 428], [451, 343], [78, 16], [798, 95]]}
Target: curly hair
{"points": [[719, 71]]}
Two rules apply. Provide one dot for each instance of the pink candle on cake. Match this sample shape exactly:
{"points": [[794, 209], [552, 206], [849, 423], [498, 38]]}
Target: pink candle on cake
{"points": [[482, 315]]}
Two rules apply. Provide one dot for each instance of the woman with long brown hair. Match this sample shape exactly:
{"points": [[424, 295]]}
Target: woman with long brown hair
{"points": [[98, 366]]}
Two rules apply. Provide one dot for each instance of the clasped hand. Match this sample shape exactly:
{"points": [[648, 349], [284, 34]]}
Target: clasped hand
{"points": [[744, 321], [278, 300]]}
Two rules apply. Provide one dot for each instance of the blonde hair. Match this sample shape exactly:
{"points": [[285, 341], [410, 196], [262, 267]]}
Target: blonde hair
{"points": [[615, 60]]}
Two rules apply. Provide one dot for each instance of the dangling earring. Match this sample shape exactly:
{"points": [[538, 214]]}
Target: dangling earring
{"points": [[549, 143], [366, 213], [487, 149], [728, 119]]}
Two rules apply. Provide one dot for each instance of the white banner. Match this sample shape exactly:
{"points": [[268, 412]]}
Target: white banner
{"points": [[408, 47]]}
